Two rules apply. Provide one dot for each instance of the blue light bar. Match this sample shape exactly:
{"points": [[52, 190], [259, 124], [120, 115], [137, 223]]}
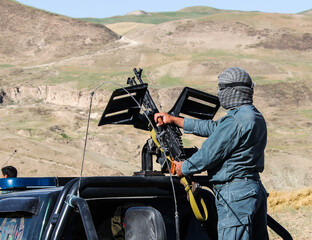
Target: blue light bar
{"points": [[9, 183]]}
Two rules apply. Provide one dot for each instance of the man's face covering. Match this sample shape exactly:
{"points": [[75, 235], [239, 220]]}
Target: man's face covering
{"points": [[235, 88]]}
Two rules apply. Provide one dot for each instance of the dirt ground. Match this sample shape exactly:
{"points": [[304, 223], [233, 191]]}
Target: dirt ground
{"points": [[49, 64]]}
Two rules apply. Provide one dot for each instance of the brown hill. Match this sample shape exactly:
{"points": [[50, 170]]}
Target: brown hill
{"points": [[137, 13], [234, 30], [308, 12], [49, 64], [30, 34], [44, 104]]}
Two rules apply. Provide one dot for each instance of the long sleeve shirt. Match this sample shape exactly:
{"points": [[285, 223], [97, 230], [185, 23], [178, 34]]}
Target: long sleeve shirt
{"points": [[234, 147]]}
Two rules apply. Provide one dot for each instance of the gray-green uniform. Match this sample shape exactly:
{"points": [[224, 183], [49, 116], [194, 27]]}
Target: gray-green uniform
{"points": [[233, 155]]}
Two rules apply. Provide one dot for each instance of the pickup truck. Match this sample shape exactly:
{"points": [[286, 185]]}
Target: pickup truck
{"points": [[49, 208]]}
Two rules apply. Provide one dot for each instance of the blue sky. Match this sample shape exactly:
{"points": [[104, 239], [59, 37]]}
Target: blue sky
{"points": [[109, 8]]}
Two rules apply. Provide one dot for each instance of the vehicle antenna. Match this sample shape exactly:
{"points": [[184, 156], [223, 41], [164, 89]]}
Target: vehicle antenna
{"points": [[12, 154], [87, 130], [176, 213]]}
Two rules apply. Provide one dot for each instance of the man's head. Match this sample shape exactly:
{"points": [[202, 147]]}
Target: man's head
{"points": [[9, 172], [235, 88]]}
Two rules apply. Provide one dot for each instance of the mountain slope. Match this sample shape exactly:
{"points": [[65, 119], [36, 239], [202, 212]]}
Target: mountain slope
{"points": [[158, 17], [45, 88], [30, 34], [308, 12], [49, 65]]}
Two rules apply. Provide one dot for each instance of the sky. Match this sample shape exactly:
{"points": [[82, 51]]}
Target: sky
{"points": [[110, 8]]}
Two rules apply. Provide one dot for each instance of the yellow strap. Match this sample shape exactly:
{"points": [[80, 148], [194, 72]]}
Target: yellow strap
{"points": [[187, 188], [194, 206], [153, 135]]}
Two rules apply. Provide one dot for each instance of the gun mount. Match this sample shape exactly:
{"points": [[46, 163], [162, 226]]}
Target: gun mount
{"points": [[126, 105]]}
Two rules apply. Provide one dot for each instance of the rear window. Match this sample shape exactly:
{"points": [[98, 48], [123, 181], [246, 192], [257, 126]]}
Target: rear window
{"points": [[14, 225]]}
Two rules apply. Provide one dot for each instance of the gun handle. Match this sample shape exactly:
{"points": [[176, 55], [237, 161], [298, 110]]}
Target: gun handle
{"points": [[160, 121], [172, 168]]}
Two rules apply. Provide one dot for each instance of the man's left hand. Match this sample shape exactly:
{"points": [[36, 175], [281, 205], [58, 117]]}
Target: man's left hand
{"points": [[178, 168]]}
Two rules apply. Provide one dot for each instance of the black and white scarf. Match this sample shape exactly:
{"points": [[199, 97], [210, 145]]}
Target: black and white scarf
{"points": [[235, 88]]}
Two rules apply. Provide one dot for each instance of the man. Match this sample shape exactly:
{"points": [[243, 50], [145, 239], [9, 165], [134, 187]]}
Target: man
{"points": [[233, 155], [9, 172]]}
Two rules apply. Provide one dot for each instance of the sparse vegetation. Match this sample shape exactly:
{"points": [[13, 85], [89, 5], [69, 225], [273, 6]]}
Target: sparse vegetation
{"points": [[65, 136], [46, 79], [167, 81], [292, 220], [2, 66], [83, 79], [306, 113], [155, 18], [288, 208]]}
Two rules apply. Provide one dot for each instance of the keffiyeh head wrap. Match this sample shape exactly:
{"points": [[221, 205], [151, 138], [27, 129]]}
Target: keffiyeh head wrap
{"points": [[235, 88]]}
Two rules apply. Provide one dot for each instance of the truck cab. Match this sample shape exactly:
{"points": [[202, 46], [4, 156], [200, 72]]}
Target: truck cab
{"points": [[107, 208]]}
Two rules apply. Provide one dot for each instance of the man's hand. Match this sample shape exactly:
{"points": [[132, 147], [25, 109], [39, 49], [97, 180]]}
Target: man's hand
{"points": [[165, 118], [178, 168], [162, 118]]}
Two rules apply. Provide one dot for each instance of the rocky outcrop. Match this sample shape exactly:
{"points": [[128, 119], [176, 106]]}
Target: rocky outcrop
{"points": [[53, 95]]}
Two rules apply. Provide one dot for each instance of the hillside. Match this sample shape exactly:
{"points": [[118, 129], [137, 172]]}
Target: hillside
{"points": [[51, 63], [32, 35], [308, 12], [157, 17]]}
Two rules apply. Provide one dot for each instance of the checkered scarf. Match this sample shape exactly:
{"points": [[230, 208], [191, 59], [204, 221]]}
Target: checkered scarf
{"points": [[235, 96]]}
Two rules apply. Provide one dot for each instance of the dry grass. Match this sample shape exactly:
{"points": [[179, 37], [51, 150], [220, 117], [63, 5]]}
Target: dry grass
{"points": [[294, 199], [293, 210], [125, 27]]}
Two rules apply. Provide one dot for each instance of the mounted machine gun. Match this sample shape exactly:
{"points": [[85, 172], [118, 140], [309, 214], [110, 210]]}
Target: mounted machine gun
{"points": [[134, 105], [165, 141]]}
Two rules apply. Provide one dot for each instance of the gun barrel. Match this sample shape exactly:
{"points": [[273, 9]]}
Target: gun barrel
{"points": [[138, 74]]}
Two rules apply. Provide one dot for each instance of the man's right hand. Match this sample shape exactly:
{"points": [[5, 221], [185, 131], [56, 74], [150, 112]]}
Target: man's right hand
{"points": [[165, 118], [162, 118]]}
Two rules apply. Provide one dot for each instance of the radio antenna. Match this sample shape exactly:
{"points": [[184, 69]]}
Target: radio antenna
{"points": [[88, 123], [12, 154]]}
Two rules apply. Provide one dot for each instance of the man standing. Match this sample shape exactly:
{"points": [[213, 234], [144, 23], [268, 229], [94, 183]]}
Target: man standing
{"points": [[233, 155]]}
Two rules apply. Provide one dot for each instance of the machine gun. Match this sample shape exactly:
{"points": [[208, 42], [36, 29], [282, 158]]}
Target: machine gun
{"points": [[165, 142], [167, 138], [134, 105]]}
